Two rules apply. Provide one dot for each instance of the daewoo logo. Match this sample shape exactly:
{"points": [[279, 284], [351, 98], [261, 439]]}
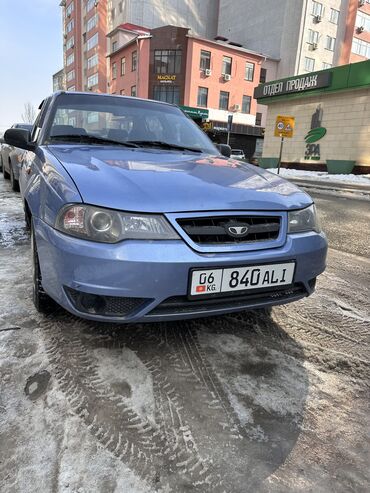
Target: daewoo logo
{"points": [[238, 231]]}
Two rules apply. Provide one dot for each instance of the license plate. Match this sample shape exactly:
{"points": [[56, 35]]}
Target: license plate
{"points": [[213, 281]]}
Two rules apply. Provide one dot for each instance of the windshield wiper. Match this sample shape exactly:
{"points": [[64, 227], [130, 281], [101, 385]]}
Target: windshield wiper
{"points": [[93, 139], [163, 145]]}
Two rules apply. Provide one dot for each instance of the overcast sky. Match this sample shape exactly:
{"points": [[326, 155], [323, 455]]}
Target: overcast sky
{"points": [[30, 52]]}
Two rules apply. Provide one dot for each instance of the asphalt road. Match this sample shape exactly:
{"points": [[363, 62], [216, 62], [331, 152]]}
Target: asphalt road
{"points": [[229, 404]]}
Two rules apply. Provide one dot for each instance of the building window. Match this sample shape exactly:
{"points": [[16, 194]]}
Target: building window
{"points": [[90, 4], [326, 65], [92, 61], [313, 36], [330, 43], [92, 22], [258, 119], [309, 64], [70, 75], [317, 8], [226, 65], [167, 93], [133, 91], [92, 80], [334, 16], [120, 7], [246, 104], [263, 75], [123, 92], [224, 100], [69, 9], [249, 71], [93, 41], [360, 47], [167, 61], [133, 61], [123, 65], [71, 88], [114, 70], [70, 59], [114, 46], [70, 26], [205, 60], [363, 21], [70, 43], [113, 13], [202, 100]]}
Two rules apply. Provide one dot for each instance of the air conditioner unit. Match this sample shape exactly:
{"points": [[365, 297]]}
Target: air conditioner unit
{"points": [[361, 3], [360, 29], [65, 36], [236, 107], [317, 18], [96, 3], [207, 72], [69, 14], [227, 77], [314, 46]]}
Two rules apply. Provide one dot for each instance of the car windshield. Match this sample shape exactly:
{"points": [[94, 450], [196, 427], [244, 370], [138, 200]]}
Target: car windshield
{"points": [[127, 121]]}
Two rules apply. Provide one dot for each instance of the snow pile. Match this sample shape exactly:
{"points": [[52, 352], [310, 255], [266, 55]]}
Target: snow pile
{"points": [[322, 176]]}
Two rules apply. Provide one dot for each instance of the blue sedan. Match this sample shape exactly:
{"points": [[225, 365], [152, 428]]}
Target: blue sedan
{"points": [[136, 216]]}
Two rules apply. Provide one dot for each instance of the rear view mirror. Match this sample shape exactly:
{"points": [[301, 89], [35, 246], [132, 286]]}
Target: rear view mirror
{"points": [[224, 149], [19, 137]]}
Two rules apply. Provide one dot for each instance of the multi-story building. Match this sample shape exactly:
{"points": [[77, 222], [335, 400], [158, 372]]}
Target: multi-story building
{"points": [[356, 46], [200, 16], [306, 35], [85, 44], [209, 79]]}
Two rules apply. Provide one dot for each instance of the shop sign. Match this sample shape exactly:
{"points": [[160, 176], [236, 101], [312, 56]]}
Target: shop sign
{"points": [[317, 132], [297, 84], [284, 126], [166, 79], [195, 112]]}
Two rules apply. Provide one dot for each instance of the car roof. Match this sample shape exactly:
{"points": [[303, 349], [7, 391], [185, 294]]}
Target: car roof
{"points": [[99, 94]]}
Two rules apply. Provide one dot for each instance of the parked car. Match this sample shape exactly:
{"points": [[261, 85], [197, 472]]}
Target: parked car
{"points": [[136, 216], [10, 157], [237, 154]]}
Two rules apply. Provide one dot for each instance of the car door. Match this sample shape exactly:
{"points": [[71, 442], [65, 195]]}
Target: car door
{"points": [[29, 158]]}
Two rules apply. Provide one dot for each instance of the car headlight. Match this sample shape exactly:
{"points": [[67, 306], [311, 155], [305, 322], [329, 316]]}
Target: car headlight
{"points": [[109, 226], [303, 220]]}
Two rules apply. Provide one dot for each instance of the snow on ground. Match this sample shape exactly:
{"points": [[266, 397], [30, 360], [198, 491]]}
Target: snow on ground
{"points": [[322, 176]]}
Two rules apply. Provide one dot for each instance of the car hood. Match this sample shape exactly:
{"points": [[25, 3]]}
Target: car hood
{"points": [[151, 180]]}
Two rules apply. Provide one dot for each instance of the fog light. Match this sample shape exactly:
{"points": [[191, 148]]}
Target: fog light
{"points": [[92, 303]]}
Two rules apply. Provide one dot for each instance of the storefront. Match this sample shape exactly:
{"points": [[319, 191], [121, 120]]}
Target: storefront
{"points": [[332, 119]]}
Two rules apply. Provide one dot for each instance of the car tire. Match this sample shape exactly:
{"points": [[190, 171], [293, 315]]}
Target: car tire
{"points": [[5, 173], [14, 183], [43, 303]]}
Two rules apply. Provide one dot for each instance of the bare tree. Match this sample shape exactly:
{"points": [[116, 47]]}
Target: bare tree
{"points": [[29, 114]]}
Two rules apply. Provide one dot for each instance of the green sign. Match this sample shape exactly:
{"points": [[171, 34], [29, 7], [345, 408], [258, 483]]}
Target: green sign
{"points": [[195, 112]]}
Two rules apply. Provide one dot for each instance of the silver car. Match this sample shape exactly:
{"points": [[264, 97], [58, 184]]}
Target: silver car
{"points": [[10, 158]]}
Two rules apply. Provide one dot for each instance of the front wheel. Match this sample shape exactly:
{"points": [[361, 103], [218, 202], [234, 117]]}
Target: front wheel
{"points": [[43, 303]]}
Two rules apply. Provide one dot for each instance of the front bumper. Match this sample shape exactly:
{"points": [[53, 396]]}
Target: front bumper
{"points": [[158, 273]]}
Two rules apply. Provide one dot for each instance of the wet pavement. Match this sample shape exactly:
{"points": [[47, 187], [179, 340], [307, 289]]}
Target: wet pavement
{"points": [[238, 403]]}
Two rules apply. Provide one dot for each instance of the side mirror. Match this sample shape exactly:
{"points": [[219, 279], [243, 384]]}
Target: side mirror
{"points": [[19, 137], [224, 149]]}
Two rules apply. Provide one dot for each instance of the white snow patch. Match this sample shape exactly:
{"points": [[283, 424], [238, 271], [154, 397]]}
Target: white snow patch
{"points": [[122, 369], [322, 176]]}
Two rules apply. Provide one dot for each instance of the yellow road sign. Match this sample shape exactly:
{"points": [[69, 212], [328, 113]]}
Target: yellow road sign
{"points": [[284, 126]]}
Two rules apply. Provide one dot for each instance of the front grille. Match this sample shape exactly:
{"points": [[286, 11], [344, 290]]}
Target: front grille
{"points": [[216, 230], [109, 306], [178, 305]]}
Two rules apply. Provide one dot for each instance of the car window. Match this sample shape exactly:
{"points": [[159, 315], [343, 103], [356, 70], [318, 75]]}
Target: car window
{"points": [[124, 120]]}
